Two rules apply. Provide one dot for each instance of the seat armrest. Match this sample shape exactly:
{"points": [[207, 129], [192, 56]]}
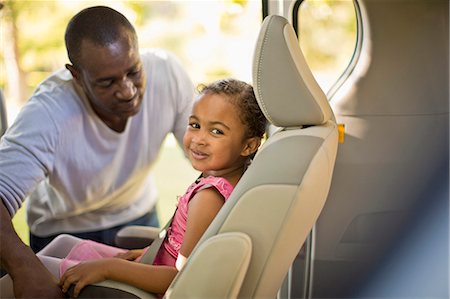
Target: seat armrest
{"points": [[130, 237], [136, 236], [216, 268], [111, 289]]}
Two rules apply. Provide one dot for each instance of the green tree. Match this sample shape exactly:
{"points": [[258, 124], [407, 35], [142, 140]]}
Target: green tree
{"points": [[12, 77]]}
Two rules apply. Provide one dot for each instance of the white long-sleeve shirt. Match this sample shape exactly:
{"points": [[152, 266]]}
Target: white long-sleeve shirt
{"points": [[77, 173]]}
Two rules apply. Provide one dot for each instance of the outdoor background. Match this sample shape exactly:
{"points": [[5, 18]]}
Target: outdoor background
{"points": [[212, 38]]}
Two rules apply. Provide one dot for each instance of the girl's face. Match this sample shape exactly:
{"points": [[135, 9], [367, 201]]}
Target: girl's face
{"points": [[215, 138]]}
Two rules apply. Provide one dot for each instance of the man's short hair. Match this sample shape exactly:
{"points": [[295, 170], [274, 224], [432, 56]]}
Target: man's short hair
{"points": [[100, 25]]}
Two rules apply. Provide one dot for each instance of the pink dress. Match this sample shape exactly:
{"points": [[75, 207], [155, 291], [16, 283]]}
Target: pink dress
{"points": [[87, 250], [168, 253]]}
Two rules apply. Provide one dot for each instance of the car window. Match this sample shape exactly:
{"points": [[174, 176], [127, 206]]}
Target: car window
{"points": [[327, 35]]}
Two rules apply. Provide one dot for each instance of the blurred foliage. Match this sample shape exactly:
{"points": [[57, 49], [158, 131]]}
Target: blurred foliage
{"points": [[211, 38], [190, 29], [37, 40]]}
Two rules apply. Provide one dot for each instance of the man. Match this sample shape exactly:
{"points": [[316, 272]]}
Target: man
{"points": [[82, 148]]}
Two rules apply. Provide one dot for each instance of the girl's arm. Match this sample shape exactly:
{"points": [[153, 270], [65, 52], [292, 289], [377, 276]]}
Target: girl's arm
{"points": [[154, 279], [130, 255], [203, 207]]}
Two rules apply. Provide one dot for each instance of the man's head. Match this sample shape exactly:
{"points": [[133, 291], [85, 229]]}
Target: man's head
{"points": [[100, 25], [103, 48]]}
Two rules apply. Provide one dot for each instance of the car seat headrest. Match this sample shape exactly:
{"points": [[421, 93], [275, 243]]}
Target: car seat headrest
{"points": [[284, 86]]}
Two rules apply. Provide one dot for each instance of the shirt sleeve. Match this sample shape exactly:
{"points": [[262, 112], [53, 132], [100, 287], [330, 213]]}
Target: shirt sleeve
{"points": [[26, 154], [184, 98]]}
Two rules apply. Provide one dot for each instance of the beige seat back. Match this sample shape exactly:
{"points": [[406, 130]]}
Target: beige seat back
{"points": [[276, 203]]}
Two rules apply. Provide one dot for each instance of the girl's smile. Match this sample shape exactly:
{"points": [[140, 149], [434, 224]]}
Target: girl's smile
{"points": [[198, 155]]}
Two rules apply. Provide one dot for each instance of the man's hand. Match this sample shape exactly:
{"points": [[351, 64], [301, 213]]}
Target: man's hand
{"points": [[36, 283], [30, 277]]}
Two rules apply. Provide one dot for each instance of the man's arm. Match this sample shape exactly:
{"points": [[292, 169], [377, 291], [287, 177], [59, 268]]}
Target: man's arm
{"points": [[30, 277]]}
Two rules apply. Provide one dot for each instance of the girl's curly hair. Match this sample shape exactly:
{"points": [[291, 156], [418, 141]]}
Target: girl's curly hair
{"points": [[242, 95]]}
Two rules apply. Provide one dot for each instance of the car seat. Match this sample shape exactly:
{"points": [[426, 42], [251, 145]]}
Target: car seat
{"points": [[3, 119], [249, 247]]}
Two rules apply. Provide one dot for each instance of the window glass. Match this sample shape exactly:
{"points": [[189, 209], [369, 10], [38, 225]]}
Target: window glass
{"points": [[327, 34]]}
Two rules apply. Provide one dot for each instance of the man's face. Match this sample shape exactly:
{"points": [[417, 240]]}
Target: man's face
{"points": [[113, 79]]}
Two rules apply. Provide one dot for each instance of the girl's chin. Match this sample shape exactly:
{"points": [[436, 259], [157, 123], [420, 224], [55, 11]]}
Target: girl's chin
{"points": [[198, 168]]}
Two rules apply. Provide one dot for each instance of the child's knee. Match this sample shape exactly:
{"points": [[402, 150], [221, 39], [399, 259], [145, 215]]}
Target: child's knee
{"points": [[64, 238]]}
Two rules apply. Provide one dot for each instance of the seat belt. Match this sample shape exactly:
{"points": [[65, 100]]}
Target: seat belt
{"points": [[149, 256]]}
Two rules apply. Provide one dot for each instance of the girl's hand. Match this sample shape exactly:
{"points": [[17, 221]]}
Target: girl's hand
{"points": [[130, 255], [84, 274]]}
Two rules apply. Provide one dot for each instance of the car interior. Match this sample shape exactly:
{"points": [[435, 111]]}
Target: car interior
{"points": [[348, 195], [393, 166], [249, 247]]}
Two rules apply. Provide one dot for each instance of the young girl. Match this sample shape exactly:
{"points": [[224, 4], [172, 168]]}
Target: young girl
{"points": [[224, 132]]}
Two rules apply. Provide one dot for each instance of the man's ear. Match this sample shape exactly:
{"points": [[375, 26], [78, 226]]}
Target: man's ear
{"points": [[75, 73], [251, 146]]}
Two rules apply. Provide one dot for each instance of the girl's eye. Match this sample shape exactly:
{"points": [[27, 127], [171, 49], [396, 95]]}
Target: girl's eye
{"points": [[217, 131], [194, 125]]}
